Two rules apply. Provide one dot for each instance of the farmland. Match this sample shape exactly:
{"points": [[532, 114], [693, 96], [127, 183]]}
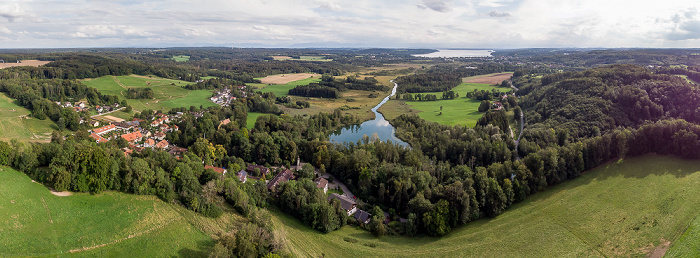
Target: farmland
{"points": [[24, 63], [625, 208], [167, 93], [16, 124], [283, 89], [37, 223], [460, 110]]}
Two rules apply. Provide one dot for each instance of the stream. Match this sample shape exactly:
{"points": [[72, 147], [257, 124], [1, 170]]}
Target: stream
{"points": [[377, 128]]}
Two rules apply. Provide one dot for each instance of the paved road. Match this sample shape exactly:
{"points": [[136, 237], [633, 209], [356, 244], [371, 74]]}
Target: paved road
{"points": [[522, 124], [336, 182]]}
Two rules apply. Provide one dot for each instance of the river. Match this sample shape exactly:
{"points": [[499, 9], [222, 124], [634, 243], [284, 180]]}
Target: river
{"points": [[379, 126]]}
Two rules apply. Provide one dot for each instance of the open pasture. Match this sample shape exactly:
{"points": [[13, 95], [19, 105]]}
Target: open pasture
{"points": [[168, 93], [461, 110], [16, 123], [287, 78]]}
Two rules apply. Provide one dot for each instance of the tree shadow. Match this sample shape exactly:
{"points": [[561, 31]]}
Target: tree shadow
{"points": [[203, 250]]}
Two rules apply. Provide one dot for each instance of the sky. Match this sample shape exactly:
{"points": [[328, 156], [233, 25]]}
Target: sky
{"points": [[355, 23]]}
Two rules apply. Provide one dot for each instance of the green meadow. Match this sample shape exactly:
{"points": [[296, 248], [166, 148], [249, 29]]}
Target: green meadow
{"points": [[626, 208], [461, 110], [281, 90], [15, 125], [181, 58], [167, 93], [38, 223]]}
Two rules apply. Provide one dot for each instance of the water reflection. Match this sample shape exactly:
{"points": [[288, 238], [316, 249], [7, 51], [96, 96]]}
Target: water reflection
{"points": [[378, 128]]}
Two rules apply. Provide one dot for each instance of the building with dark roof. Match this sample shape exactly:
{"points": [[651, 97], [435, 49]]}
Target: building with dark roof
{"points": [[362, 216], [282, 177], [346, 203]]}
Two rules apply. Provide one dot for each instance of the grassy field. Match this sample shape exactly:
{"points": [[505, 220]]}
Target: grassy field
{"points": [[181, 58], [281, 90], [14, 126], [167, 93], [626, 208], [454, 111], [313, 58], [38, 223], [252, 117]]}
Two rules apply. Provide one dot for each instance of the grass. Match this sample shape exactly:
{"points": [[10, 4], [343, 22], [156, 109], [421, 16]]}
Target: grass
{"points": [[625, 208], [168, 93], [37, 223], [688, 245], [281, 90], [462, 110], [313, 58], [13, 126], [252, 117], [181, 58]]}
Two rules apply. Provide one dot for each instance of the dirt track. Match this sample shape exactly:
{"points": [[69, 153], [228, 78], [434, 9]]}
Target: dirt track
{"points": [[490, 79], [286, 78], [24, 63]]}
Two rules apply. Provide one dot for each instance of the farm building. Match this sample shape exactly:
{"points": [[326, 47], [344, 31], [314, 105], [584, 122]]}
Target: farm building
{"points": [[346, 203], [282, 177]]}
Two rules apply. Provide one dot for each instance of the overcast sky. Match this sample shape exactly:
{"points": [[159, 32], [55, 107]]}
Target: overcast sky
{"points": [[350, 23]]}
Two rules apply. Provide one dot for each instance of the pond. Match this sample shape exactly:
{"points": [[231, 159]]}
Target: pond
{"points": [[378, 128]]}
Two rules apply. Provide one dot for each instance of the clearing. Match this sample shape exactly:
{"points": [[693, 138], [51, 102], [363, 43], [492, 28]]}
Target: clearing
{"points": [[181, 58], [281, 58], [287, 78], [15, 123], [461, 110], [34, 63], [167, 93], [281, 90], [491, 79]]}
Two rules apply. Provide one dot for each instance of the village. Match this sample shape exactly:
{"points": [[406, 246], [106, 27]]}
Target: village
{"points": [[139, 134]]}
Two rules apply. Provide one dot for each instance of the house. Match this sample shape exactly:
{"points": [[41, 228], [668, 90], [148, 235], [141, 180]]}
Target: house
{"points": [[104, 129], [497, 105], [132, 137], [98, 138], [282, 177], [165, 128], [123, 125], [346, 203], [127, 151], [224, 122], [242, 175], [263, 170], [162, 144], [94, 123], [159, 135], [177, 151], [217, 169], [149, 143], [322, 183], [362, 216], [81, 104]]}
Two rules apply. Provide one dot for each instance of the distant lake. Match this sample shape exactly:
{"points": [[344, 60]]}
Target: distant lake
{"points": [[379, 126], [458, 53]]}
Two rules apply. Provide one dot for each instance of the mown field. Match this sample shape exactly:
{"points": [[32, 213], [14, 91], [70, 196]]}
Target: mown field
{"points": [[38, 223], [13, 124], [281, 90], [462, 110], [167, 93], [626, 208]]}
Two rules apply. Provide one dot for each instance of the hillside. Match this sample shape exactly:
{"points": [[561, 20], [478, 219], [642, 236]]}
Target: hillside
{"points": [[619, 209], [625, 208]]}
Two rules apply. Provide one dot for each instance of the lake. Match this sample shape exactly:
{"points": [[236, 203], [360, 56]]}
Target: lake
{"points": [[458, 53], [379, 128]]}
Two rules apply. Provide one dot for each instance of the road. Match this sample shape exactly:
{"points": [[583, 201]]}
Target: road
{"points": [[109, 112], [338, 183], [522, 124]]}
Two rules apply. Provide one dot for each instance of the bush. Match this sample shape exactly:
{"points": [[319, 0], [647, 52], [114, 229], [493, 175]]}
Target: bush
{"points": [[350, 240]]}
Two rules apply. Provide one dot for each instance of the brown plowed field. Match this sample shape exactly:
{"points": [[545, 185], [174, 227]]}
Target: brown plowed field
{"points": [[489, 78], [24, 63], [286, 78]]}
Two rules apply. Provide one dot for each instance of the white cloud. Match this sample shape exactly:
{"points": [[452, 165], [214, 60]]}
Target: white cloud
{"points": [[371, 23]]}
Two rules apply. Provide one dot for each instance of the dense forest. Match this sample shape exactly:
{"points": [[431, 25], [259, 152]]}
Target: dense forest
{"points": [[329, 87]]}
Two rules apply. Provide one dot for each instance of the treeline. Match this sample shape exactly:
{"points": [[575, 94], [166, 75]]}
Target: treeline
{"points": [[692, 72], [329, 87], [139, 93], [217, 83], [442, 78], [39, 96], [307, 202], [316, 91]]}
